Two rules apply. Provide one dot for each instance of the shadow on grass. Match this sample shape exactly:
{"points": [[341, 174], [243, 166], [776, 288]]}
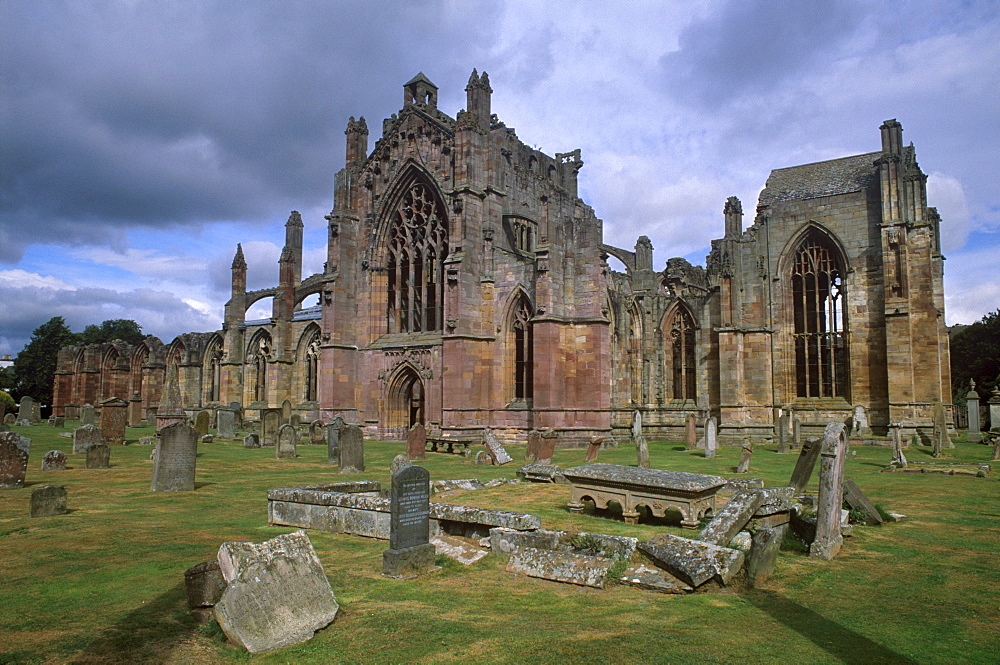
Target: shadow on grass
{"points": [[145, 635], [839, 642]]}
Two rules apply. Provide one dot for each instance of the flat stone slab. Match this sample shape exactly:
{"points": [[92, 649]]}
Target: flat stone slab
{"points": [[692, 561], [560, 566], [276, 595], [457, 549], [732, 518], [461, 484], [976, 469], [504, 541], [642, 576], [630, 476], [540, 473]]}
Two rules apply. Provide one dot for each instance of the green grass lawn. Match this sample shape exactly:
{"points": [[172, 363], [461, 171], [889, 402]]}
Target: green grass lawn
{"points": [[104, 583]]}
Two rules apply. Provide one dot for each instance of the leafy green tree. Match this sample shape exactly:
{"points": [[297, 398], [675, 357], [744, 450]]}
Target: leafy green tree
{"points": [[975, 354], [126, 330], [6, 378], [7, 401], [35, 365]]}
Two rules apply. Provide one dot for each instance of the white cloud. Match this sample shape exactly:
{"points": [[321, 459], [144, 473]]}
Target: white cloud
{"points": [[946, 194], [22, 279]]}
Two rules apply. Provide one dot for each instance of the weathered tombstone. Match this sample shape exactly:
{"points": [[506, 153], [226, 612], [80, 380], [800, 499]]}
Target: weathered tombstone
{"points": [[483, 458], [636, 426], [317, 435], [352, 450], [416, 442], [269, 424], [14, 451], [732, 518], [25, 408], [59, 421], [711, 437], [831, 493], [898, 458], [288, 437], [941, 437], [797, 431], [410, 551], [860, 427], [48, 500], [9, 419], [201, 422], [593, 450], [860, 503], [804, 465], [114, 416], [995, 406], [226, 424], [745, 454], [88, 415], [760, 562], [548, 447], [295, 420], [398, 462], [204, 585], [51, 422], [641, 452], [691, 433], [176, 457], [151, 418], [286, 412], [135, 410], [71, 412], [98, 456], [975, 434], [54, 460], [86, 436], [533, 447], [147, 440], [496, 449], [783, 433], [996, 450], [36, 413], [333, 441], [276, 593], [170, 410]]}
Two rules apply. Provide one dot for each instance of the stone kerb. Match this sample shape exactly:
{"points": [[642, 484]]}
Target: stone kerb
{"points": [[176, 457]]}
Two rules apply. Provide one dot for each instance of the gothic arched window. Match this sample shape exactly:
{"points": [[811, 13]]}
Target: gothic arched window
{"points": [[312, 369], [418, 245], [258, 356], [214, 357], [681, 331], [818, 304], [524, 354]]}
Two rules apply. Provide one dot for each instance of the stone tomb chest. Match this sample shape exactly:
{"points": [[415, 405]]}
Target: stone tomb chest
{"points": [[693, 494]]}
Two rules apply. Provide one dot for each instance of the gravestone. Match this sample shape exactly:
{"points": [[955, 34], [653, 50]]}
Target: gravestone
{"points": [[59, 421], [201, 422], [86, 436], [860, 427], [898, 458], [797, 432], [54, 460], [226, 424], [496, 449], [88, 415], [9, 419], [636, 426], [548, 446], [483, 458], [135, 410], [204, 585], [114, 416], [831, 493], [410, 551], [745, 454], [333, 441], [783, 433], [398, 462], [995, 407], [416, 442], [974, 434], [804, 465], [147, 440], [251, 440], [51, 422], [269, 424], [48, 500], [98, 456], [691, 433], [641, 452], [288, 438], [14, 451], [352, 450], [286, 412], [295, 420], [317, 434], [277, 593], [593, 450], [25, 408], [859, 502], [72, 412], [176, 457], [170, 410], [36, 413], [711, 437], [763, 556]]}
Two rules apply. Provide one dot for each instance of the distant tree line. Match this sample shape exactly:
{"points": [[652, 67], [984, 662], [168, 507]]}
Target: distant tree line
{"points": [[975, 354]]}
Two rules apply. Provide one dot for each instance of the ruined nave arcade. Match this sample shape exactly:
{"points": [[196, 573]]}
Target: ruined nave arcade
{"points": [[467, 285]]}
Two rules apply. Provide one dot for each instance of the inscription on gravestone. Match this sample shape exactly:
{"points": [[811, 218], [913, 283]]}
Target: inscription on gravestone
{"points": [[410, 551], [176, 456]]}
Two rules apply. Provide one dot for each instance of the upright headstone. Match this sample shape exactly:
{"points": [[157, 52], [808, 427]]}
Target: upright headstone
{"points": [[745, 454], [48, 500], [352, 450], [201, 422], [98, 456], [641, 452], [483, 459], [333, 440], [860, 427], [941, 439], [804, 465], [496, 449], [14, 451], [416, 442], [226, 424], [251, 440], [36, 413], [711, 437], [72, 412], [317, 434], [176, 456], [398, 462], [135, 410], [533, 447], [831, 493], [288, 437], [636, 426], [58, 421], [269, 424], [114, 417], [783, 433], [410, 551], [797, 431], [286, 412], [86, 436], [691, 433], [295, 420], [996, 450], [594, 449], [898, 458], [548, 447], [170, 410], [88, 415], [54, 460], [975, 434], [9, 419], [25, 408]]}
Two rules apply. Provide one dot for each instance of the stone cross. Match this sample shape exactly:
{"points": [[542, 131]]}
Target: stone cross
{"points": [[176, 456], [828, 539], [975, 435], [410, 551], [352, 450], [288, 438], [711, 437], [14, 451]]}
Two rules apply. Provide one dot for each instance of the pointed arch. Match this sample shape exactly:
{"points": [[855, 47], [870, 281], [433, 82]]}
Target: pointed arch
{"points": [[307, 361], [634, 320], [211, 365], [520, 345], [679, 328], [109, 361], [405, 398], [258, 356]]}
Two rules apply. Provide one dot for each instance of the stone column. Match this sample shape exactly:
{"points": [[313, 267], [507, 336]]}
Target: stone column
{"points": [[995, 408], [831, 493], [972, 403]]}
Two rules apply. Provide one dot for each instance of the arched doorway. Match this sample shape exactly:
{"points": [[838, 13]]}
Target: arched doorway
{"points": [[406, 400]]}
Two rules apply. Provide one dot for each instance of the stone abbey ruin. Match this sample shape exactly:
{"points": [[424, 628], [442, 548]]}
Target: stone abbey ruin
{"points": [[467, 286]]}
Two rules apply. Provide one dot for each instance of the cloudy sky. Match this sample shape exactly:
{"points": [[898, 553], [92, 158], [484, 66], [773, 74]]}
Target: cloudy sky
{"points": [[142, 140]]}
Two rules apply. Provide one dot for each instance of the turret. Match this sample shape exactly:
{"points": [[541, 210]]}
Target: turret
{"points": [[733, 211], [478, 95], [239, 273], [357, 140], [892, 137], [420, 91], [293, 243]]}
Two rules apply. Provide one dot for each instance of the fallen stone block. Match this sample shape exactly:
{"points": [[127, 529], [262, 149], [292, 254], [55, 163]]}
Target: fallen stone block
{"points": [[462, 484], [276, 595], [776, 500], [505, 541], [692, 561], [763, 556], [642, 576], [459, 550], [732, 518], [540, 473], [204, 585], [619, 547], [861, 504], [560, 566]]}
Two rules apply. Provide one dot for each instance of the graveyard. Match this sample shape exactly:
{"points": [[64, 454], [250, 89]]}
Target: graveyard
{"points": [[103, 582]]}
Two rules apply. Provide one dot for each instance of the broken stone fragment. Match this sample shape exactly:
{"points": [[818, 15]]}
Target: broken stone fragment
{"points": [[692, 561], [560, 566]]}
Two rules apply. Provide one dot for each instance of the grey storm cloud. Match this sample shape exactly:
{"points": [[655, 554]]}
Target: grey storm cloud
{"points": [[162, 114]]}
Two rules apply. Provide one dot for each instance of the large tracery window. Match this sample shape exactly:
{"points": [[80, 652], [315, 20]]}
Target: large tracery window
{"points": [[682, 338], [418, 245], [524, 358], [260, 352], [818, 303]]}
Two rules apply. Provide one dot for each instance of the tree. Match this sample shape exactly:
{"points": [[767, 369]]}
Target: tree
{"points": [[126, 330], [8, 401], [35, 365], [975, 354]]}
